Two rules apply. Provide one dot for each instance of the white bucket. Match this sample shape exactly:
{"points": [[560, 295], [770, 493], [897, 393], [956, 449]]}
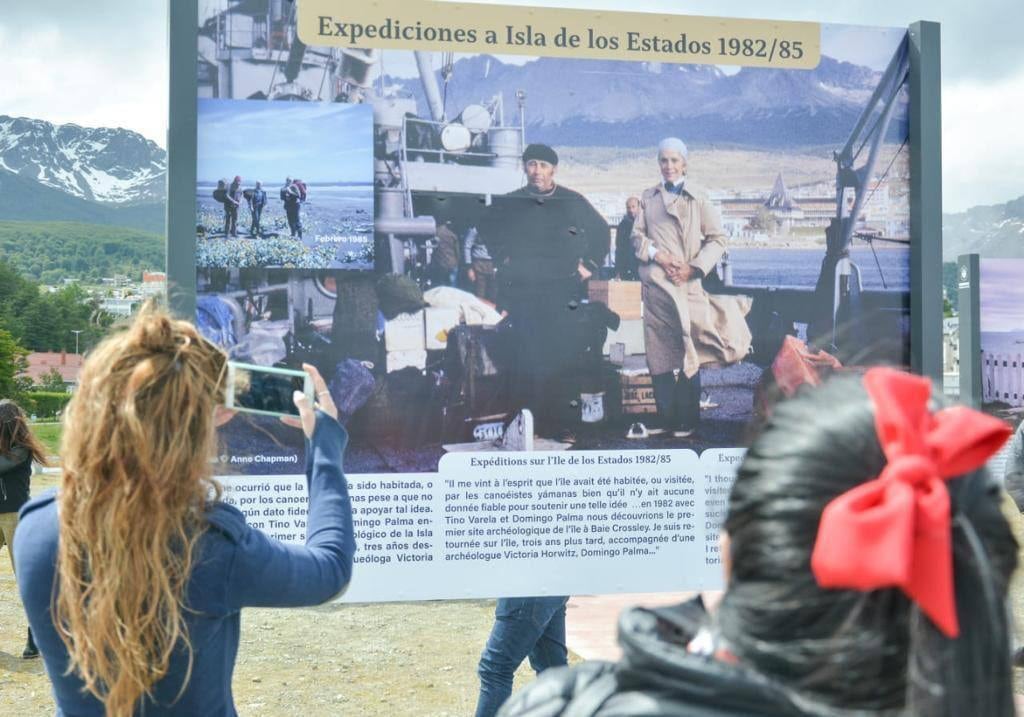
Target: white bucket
{"points": [[592, 407]]}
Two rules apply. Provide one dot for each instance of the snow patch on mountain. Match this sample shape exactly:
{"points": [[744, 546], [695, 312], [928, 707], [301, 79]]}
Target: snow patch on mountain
{"points": [[111, 166]]}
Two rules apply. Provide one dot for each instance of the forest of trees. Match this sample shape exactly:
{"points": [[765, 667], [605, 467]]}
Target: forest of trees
{"points": [[50, 252], [39, 320]]}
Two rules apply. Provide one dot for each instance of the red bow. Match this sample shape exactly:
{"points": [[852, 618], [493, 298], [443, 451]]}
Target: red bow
{"points": [[894, 531]]}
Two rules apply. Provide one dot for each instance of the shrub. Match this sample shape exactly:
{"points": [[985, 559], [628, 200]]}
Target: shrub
{"points": [[46, 404]]}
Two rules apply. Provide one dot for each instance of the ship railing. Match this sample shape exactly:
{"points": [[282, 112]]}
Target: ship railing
{"points": [[429, 148], [1002, 375]]}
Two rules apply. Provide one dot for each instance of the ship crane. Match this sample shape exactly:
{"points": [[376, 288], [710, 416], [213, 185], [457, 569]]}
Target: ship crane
{"points": [[839, 285], [855, 324]]}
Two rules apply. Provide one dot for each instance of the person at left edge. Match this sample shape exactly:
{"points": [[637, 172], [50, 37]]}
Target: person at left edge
{"points": [[546, 241], [18, 449], [149, 610]]}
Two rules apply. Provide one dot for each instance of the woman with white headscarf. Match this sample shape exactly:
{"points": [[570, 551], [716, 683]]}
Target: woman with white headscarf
{"points": [[679, 239]]}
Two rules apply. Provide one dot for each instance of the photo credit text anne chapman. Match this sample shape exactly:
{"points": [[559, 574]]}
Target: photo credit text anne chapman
{"points": [[556, 32]]}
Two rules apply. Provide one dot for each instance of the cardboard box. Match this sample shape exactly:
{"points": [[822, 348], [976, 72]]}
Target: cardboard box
{"points": [[415, 358], [622, 297], [637, 393], [439, 321], [405, 333], [630, 334]]}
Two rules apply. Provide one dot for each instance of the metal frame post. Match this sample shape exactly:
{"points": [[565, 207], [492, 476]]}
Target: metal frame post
{"points": [[182, 29], [968, 275], [925, 201]]}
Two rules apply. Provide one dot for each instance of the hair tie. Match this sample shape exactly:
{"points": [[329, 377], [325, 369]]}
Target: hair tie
{"points": [[895, 530]]}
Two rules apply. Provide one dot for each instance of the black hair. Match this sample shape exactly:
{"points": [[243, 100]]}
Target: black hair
{"points": [[841, 650], [16, 433]]}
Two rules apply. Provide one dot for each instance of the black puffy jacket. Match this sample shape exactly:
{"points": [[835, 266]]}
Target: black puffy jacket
{"points": [[656, 677], [15, 475]]}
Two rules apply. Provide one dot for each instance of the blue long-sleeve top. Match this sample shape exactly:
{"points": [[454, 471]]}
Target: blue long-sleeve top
{"points": [[235, 566]]}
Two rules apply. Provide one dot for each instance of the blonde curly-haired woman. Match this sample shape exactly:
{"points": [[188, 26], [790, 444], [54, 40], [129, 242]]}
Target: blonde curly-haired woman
{"points": [[134, 573]]}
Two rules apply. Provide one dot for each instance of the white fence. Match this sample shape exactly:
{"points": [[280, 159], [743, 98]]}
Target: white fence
{"points": [[1002, 378]]}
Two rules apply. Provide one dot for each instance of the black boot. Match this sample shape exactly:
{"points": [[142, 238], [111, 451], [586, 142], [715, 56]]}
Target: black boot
{"points": [[664, 385], [30, 650], [687, 404]]}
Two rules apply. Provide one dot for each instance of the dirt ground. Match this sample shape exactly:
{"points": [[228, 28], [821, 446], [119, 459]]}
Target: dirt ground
{"points": [[392, 659]]}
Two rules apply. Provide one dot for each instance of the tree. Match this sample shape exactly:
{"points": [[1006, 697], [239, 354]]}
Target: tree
{"points": [[12, 363], [51, 381]]}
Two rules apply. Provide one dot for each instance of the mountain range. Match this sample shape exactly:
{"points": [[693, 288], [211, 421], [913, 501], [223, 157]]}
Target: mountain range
{"points": [[633, 104], [73, 173], [111, 176], [995, 231]]}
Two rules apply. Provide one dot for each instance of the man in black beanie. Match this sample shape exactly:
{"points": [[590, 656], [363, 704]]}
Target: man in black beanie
{"points": [[546, 241]]}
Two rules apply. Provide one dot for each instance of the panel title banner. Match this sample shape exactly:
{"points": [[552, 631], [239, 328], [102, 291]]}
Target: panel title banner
{"points": [[557, 32]]}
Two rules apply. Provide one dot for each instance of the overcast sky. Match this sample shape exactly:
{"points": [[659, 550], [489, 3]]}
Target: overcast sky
{"points": [[1002, 295], [326, 142], [103, 63]]}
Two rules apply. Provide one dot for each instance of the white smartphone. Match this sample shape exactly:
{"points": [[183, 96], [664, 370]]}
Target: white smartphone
{"points": [[265, 389]]}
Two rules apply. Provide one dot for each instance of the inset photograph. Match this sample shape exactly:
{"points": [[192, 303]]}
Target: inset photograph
{"points": [[1002, 338], [284, 185]]}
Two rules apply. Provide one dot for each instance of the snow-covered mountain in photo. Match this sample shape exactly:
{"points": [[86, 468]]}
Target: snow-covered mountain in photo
{"points": [[633, 104], [110, 166]]}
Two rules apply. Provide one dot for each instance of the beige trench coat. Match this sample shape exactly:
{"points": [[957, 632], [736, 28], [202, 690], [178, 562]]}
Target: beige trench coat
{"points": [[684, 326]]}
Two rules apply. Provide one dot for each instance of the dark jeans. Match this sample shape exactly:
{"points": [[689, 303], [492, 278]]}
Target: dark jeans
{"points": [[294, 222], [257, 213], [678, 400], [531, 627]]}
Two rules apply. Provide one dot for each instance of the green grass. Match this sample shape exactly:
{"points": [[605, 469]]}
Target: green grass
{"points": [[49, 434]]}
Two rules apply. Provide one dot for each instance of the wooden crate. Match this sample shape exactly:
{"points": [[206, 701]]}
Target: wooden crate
{"points": [[637, 393], [622, 297]]}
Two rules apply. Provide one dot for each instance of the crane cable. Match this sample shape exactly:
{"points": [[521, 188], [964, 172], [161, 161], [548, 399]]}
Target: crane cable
{"points": [[885, 174]]}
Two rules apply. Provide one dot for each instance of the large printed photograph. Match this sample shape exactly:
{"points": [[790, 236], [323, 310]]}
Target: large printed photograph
{"points": [[284, 185], [578, 254]]}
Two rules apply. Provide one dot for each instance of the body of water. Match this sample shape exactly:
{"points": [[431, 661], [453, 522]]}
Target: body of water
{"points": [[800, 267], [1003, 342]]}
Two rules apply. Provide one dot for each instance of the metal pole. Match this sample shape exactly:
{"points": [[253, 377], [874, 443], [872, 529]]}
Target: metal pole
{"points": [[76, 332], [182, 36], [424, 63], [925, 201], [969, 328]]}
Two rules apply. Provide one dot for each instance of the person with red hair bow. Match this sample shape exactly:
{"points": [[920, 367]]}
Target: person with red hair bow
{"points": [[867, 566]]}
